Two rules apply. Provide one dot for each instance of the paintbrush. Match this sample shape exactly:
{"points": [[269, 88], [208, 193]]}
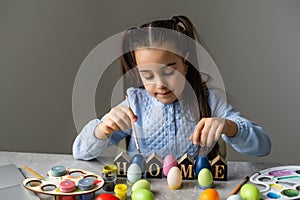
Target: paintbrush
{"points": [[133, 130], [238, 187], [34, 173]]}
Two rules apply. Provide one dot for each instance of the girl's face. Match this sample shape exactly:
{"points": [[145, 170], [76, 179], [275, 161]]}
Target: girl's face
{"points": [[162, 73]]}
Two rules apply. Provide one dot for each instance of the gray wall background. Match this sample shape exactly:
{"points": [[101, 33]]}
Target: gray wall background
{"points": [[254, 43]]}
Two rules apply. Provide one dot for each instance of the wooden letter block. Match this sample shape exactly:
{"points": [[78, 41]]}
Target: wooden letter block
{"points": [[122, 163], [187, 167], [154, 166], [219, 168]]}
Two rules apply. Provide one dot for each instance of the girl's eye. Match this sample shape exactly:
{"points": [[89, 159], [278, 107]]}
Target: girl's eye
{"points": [[168, 71], [147, 76]]}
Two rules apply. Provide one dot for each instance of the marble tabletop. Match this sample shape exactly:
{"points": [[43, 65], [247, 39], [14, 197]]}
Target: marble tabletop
{"points": [[42, 162]]}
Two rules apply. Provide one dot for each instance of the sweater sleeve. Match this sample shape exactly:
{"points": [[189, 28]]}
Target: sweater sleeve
{"points": [[251, 139], [87, 147]]}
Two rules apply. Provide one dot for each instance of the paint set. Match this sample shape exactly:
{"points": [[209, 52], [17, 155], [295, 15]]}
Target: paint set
{"points": [[281, 182], [65, 183]]}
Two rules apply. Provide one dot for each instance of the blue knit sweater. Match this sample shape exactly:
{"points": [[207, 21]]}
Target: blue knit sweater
{"points": [[165, 129]]}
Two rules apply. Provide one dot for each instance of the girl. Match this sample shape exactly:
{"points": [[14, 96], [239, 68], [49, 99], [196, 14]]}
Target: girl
{"points": [[173, 109]]}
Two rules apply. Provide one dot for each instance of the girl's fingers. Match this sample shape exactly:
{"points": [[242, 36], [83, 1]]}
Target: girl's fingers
{"points": [[211, 135], [204, 134], [108, 126], [197, 133], [121, 119], [129, 113], [218, 132], [207, 131]]}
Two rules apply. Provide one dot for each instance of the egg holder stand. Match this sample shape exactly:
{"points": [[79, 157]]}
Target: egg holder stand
{"points": [[51, 185], [282, 182], [187, 165], [171, 171]]}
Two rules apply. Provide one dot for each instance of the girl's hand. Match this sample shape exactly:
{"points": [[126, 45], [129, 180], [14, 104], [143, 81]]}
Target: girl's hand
{"points": [[119, 118], [209, 130]]}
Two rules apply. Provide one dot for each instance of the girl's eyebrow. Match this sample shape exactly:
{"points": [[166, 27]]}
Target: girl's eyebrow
{"points": [[167, 65], [170, 64]]}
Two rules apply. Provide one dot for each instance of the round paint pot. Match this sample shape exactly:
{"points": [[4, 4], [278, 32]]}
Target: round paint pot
{"points": [[121, 191], [86, 184], [109, 169], [109, 174], [58, 171], [67, 186]]}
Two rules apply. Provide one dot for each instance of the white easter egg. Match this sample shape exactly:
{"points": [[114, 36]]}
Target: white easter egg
{"points": [[174, 178], [234, 197], [134, 173]]}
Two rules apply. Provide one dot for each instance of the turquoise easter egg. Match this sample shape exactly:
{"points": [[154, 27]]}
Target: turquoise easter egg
{"points": [[134, 173]]}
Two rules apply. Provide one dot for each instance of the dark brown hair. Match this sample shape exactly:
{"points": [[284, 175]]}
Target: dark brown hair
{"points": [[160, 32]]}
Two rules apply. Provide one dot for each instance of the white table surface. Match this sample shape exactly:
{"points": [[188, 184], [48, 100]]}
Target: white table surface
{"points": [[41, 163]]}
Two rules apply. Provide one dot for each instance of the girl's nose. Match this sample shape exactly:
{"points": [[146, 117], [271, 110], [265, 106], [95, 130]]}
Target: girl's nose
{"points": [[161, 82]]}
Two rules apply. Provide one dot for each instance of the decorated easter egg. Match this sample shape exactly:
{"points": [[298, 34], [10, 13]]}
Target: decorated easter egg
{"points": [[168, 163], [142, 194], [205, 178], [249, 192], [174, 178], [210, 194], [140, 160], [134, 173], [200, 163], [106, 196], [234, 197], [143, 183]]}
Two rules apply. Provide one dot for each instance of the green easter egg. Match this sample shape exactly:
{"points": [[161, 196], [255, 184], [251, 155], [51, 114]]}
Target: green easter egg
{"points": [[143, 183], [250, 192], [142, 194], [205, 177]]}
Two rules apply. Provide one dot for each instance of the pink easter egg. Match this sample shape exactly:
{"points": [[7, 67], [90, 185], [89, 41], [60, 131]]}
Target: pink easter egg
{"points": [[169, 162]]}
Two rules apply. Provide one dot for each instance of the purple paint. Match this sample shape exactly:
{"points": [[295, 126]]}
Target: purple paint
{"points": [[283, 172]]}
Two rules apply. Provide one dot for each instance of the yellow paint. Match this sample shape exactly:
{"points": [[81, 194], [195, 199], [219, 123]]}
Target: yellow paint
{"points": [[276, 186]]}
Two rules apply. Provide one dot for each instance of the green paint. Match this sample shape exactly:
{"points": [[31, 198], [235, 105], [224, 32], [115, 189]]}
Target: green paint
{"points": [[290, 193], [289, 177]]}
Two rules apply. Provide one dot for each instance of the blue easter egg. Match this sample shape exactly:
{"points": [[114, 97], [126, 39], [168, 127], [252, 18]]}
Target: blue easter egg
{"points": [[140, 161], [201, 162]]}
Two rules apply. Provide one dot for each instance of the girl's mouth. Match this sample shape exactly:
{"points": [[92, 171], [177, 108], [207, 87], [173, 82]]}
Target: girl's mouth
{"points": [[164, 93]]}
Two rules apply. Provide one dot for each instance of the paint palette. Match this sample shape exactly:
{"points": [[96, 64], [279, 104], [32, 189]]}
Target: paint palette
{"points": [[278, 182], [65, 182]]}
